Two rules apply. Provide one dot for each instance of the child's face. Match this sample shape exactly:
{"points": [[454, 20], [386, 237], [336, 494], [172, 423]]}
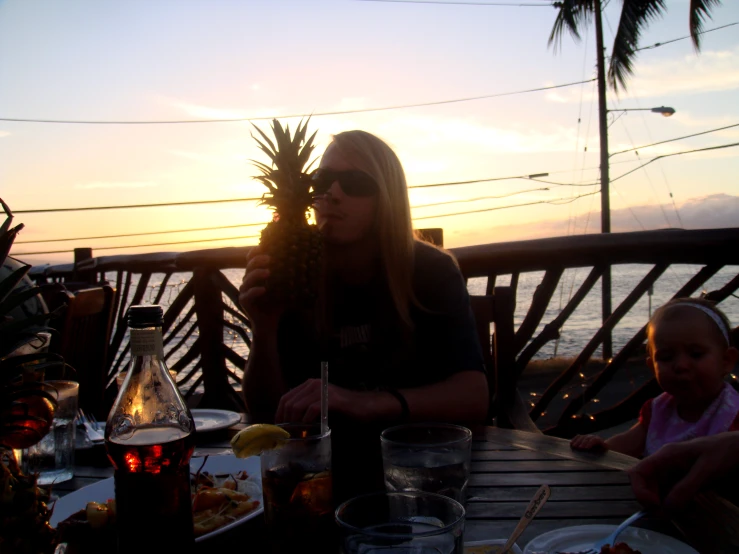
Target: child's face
{"points": [[690, 358]]}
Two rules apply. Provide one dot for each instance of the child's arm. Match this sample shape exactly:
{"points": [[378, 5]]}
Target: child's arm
{"points": [[629, 442]]}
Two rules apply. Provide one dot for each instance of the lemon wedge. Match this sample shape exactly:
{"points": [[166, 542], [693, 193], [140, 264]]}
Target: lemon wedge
{"points": [[257, 438]]}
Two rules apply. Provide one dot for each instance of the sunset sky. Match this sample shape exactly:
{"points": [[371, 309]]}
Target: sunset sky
{"points": [[93, 60]]}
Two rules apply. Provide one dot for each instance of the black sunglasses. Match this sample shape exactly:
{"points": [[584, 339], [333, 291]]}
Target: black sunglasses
{"points": [[353, 182]]}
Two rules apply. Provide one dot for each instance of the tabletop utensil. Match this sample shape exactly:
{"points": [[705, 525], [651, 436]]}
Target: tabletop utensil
{"points": [[610, 539], [89, 423], [540, 498]]}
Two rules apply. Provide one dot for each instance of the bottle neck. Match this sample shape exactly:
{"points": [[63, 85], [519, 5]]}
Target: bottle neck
{"points": [[147, 342]]}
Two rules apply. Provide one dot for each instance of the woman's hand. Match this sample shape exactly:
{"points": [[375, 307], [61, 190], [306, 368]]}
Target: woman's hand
{"points": [[303, 403], [588, 443], [252, 290], [673, 475]]}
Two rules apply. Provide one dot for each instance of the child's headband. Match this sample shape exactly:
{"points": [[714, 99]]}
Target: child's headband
{"points": [[710, 313]]}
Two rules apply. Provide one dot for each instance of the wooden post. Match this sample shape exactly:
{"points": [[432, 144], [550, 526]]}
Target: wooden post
{"points": [[80, 255], [433, 235], [209, 311]]}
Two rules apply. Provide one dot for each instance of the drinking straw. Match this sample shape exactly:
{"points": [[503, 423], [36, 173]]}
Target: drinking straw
{"points": [[324, 398]]}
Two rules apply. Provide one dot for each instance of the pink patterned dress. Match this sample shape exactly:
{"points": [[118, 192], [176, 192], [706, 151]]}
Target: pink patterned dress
{"points": [[664, 425]]}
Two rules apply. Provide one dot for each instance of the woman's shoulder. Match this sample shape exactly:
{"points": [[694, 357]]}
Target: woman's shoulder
{"points": [[428, 255]]}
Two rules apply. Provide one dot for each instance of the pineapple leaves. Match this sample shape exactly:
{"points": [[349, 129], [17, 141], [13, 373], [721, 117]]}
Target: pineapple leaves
{"points": [[16, 299], [10, 282], [267, 140]]}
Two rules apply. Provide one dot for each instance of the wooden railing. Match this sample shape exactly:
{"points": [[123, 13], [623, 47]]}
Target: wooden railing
{"points": [[207, 336]]}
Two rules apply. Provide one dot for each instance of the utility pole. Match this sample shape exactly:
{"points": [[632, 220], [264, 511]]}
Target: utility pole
{"points": [[605, 198]]}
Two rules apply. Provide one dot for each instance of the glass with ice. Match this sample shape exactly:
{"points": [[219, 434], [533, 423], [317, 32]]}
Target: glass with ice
{"points": [[430, 457], [53, 457], [297, 489], [401, 522]]}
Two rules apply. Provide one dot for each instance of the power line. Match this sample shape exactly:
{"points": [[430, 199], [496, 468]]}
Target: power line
{"points": [[136, 245], [532, 177], [89, 208], [557, 202], [478, 199], [142, 234], [676, 154], [658, 44], [674, 139], [486, 180], [566, 184], [547, 5], [319, 114], [251, 224]]}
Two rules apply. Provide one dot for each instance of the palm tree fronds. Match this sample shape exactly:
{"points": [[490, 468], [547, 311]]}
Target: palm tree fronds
{"points": [[699, 12], [635, 16], [571, 16]]}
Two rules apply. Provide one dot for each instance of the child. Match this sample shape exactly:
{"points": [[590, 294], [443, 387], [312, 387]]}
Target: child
{"points": [[689, 350]]}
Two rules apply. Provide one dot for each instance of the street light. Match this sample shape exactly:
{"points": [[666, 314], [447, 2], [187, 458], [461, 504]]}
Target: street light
{"points": [[605, 193]]}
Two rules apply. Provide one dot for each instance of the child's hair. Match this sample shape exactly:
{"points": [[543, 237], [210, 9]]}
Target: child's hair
{"points": [[677, 307]]}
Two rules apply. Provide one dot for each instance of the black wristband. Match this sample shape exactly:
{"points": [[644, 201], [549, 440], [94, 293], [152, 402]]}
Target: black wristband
{"points": [[404, 410]]}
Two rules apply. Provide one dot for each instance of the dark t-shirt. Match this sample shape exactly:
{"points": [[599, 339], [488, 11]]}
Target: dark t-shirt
{"points": [[367, 348]]}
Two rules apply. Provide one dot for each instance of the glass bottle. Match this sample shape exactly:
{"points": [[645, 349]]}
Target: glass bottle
{"points": [[149, 438]]}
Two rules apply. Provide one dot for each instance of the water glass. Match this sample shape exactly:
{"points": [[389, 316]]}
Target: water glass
{"points": [[53, 457], [430, 457], [297, 490], [401, 522]]}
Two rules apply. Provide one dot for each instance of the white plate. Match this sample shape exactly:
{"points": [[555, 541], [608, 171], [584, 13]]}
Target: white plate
{"points": [[492, 546], [213, 420], [582, 537], [103, 490]]}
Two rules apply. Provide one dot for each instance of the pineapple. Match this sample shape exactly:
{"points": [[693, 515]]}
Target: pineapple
{"points": [[294, 245], [26, 411]]}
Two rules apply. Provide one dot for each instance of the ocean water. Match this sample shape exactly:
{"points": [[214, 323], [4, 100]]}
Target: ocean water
{"points": [[575, 334]]}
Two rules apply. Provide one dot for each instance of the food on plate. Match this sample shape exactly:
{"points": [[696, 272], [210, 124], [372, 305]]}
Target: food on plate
{"points": [[255, 439], [90, 530], [618, 548], [217, 499], [221, 499]]}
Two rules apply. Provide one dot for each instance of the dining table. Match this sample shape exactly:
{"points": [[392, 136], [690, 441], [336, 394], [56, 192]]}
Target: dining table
{"points": [[507, 468]]}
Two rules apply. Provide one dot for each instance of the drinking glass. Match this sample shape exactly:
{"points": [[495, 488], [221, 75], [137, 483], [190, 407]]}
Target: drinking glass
{"points": [[430, 457], [53, 457], [297, 489], [401, 522]]}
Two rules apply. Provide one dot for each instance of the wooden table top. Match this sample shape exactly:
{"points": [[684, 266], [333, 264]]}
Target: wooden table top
{"points": [[503, 480]]}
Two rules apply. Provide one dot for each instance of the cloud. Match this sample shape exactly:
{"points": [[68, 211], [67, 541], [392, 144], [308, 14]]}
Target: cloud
{"points": [[709, 71], [115, 185], [710, 212], [4, 134]]}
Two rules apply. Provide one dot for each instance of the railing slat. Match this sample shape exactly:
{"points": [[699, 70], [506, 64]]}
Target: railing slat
{"points": [[537, 309], [589, 349], [551, 330]]}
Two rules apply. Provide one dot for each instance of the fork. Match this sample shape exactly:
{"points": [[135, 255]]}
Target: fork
{"points": [[610, 539], [89, 422]]}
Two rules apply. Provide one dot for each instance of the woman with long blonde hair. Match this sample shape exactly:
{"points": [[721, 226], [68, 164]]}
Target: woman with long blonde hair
{"points": [[394, 321]]}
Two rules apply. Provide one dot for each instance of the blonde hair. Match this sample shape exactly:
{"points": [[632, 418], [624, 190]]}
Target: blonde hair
{"points": [[393, 224], [677, 307]]}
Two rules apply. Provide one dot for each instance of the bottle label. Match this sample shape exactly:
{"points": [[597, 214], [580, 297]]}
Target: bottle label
{"points": [[146, 342]]}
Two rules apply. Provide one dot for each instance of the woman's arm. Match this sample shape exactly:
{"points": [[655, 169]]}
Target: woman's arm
{"points": [[462, 398], [262, 384]]}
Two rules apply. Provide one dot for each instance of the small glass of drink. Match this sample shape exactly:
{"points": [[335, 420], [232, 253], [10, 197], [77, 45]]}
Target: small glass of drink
{"points": [[53, 457], [430, 457], [401, 522], [297, 489]]}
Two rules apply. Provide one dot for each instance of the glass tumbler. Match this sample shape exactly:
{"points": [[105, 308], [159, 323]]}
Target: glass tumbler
{"points": [[401, 522]]}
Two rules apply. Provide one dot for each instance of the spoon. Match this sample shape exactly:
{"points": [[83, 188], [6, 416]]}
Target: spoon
{"points": [[540, 498]]}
